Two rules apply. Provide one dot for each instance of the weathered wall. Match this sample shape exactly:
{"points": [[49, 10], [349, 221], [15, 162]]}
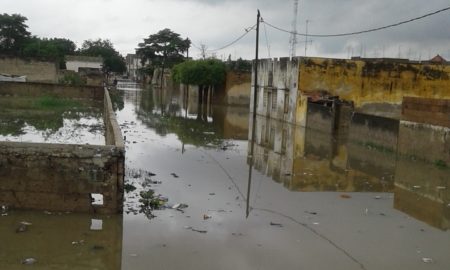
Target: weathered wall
{"points": [[41, 89], [368, 81], [374, 132], [237, 89], [420, 191], [423, 110], [60, 177], [36, 71], [424, 141], [277, 89]]}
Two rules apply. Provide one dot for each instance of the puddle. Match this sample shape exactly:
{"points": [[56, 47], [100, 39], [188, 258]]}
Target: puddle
{"points": [[51, 120]]}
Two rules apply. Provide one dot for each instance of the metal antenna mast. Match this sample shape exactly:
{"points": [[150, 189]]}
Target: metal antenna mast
{"points": [[293, 38]]}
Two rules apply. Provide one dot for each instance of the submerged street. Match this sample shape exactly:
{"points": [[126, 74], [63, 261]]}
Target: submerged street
{"points": [[205, 167], [189, 203]]}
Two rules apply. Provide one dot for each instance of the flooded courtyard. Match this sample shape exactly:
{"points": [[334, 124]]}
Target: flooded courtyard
{"points": [[196, 199]]}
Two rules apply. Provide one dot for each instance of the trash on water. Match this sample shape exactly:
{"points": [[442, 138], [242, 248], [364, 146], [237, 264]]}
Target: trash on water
{"points": [[174, 175], [29, 261], [311, 212], [212, 194], [23, 227], [276, 224], [441, 187], [427, 260], [179, 206], [345, 196], [416, 187], [96, 224], [205, 217], [377, 197]]}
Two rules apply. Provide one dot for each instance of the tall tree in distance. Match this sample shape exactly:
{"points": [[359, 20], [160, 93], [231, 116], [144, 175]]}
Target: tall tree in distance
{"points": [[163, 50], [13, 33], [112, 60], [54, 49]]}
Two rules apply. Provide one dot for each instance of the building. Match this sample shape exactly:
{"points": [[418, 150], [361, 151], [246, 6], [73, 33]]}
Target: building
{"points": [[133, 65], [75, 62]]}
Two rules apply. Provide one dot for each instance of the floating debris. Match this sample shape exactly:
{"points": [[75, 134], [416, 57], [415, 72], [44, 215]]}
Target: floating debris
{"points": [[199, 231], [441, 187], [77, 242], [205, 217], [276, 224], [180, 206], [174, 175], [212, 194], [129, 187], [23, 227], [29, 261], [345, 196], [311, 212], [427, 260], [377, 197]]}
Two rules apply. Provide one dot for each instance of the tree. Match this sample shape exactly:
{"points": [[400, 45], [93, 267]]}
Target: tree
{"points": [[112, 60], [205, 73], [163, 49], [13, 33], [49, 49]]}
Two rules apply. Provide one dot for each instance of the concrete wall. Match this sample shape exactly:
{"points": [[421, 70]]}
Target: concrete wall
{"points": [[429, 111], [277, 89], [236, 90], [34, 70], [60, 177], [75, 65], [58, 90], [372, 81]]}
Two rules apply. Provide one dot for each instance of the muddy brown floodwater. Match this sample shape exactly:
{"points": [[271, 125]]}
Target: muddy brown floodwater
{"points": [[189, 203]]}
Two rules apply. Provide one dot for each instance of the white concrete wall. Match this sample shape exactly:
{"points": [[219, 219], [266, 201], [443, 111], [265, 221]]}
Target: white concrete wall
{"points": [[75, 65]]}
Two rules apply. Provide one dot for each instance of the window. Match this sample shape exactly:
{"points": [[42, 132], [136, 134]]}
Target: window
{"points": [[286, 102], [274, 99]]}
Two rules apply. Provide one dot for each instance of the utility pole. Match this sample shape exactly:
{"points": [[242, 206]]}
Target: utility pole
{"points": [[255, 98], [293, 38], [306, 37]]}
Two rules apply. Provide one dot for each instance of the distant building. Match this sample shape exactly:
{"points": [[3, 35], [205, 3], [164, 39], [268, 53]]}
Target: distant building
{"points": [[75, 62], [438, 60], [133, 66]]}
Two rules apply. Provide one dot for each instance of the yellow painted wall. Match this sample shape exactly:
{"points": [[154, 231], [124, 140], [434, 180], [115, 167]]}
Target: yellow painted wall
{"points": [[374, 81]]}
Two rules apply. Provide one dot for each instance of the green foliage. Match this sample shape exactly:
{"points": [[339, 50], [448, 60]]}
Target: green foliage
{"points": [[163, 49], [49, 49], [200, 72], [440, 164], [13, 33], [49, 102], [112, 60], [72, 79], [240, 65]]}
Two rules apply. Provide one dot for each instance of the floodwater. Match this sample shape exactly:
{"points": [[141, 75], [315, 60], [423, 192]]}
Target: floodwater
{"points": [[51, 120], [309, 201]]}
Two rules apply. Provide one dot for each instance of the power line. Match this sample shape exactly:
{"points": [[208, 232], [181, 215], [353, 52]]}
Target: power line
{"points": [[363, 31], [247, 30], [267, 39]]}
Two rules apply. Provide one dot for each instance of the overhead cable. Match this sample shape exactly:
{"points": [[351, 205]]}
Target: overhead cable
{"points": [[247, 30], [362, 31]]}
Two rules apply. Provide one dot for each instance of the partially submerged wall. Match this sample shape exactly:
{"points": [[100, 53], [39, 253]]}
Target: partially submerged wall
{"points": [[34, 70], [237, 89], [49, 89], [62, 177], [374, 81]]}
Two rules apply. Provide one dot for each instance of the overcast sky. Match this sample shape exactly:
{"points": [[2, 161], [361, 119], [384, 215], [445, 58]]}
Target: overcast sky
{"points": [[215, 23]]}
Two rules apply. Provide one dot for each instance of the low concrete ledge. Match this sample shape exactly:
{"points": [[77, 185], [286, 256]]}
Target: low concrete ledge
{"points": [[64, 177]]}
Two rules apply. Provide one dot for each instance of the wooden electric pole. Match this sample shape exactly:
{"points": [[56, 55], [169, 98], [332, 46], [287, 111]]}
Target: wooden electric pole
{"points": [[255, 98]]}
